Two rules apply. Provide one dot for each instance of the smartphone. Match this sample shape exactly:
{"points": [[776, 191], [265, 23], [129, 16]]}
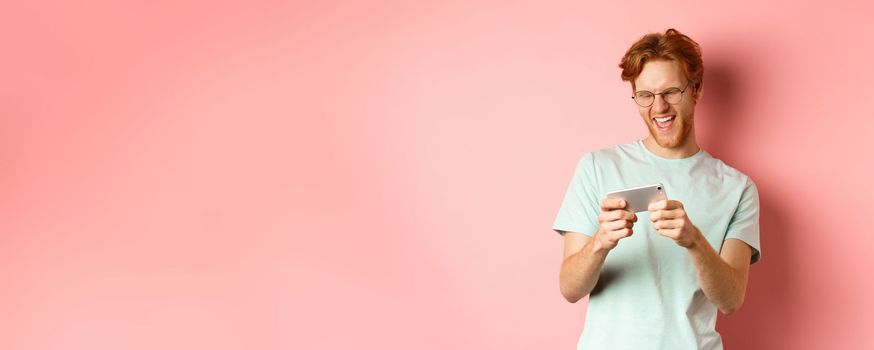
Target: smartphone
{"points": [[637, 199]]}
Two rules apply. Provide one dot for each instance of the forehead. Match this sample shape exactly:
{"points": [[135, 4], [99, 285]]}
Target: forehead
{"points": [[659, 75]]}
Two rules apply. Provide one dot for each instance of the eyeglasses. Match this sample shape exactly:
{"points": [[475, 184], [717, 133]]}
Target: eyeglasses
{"points": [[673, 96]]}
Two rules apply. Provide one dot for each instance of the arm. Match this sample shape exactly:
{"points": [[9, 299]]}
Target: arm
{"points": [[723, 277], [580, 267], [584, 256]]}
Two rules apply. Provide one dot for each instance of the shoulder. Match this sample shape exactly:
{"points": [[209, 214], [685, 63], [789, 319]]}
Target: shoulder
{"points": [[729, 173], [614, 153], [593, 162]]}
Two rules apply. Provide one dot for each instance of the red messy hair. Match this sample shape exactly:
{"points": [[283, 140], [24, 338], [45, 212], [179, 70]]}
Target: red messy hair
{"points": [[673, 46]]}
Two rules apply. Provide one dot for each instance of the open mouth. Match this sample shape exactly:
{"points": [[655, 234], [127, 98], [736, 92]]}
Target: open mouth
{"points": [[665, 122]]}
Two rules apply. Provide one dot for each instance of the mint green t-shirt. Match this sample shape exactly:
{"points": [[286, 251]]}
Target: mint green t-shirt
{"points": [[648, 295]]}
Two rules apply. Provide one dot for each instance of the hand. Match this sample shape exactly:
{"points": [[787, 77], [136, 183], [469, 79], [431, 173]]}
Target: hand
{"points": [[670, 219], [615, 223]]}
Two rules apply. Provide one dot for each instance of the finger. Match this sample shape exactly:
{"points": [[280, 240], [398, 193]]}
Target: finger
{"points": [[670, 233], [622, 214], [674, 213], [665, 204], [615, 236], [668, 224], [607, 216], [610, 203], [616, 214], [668, 214], [657, 205], [659, 225], [617, 225]]}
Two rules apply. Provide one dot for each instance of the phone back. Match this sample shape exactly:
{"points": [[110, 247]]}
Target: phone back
{"points": [[639, 198]]}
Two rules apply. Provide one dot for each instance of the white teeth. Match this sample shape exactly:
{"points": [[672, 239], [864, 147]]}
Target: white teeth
{"points": [[664, 120]]}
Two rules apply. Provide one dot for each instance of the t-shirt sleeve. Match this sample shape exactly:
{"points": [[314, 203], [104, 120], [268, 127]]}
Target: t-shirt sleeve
{"points": [[744, 223], [580, 208]]}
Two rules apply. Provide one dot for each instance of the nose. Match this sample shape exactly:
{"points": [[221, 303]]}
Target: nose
{"points": [[659, 104]]}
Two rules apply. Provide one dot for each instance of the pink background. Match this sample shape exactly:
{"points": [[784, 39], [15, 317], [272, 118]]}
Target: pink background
{"points": [[384, 175]]}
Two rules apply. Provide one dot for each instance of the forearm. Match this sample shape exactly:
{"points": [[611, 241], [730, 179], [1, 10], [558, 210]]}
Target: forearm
{"points": [[723, 285], [580, 271]]}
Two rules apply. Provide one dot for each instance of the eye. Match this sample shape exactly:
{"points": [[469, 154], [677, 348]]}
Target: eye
{"points": [[643, 95], [671, 92]]}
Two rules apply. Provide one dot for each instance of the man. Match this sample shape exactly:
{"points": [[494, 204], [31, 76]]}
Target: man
{"points": [[656, 278]]}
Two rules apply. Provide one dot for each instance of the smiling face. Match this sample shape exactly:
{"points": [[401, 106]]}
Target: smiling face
{"points": [[671, 126]]}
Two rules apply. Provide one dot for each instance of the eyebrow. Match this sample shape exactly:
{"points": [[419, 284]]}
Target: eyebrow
{"points": [[666, 89]]}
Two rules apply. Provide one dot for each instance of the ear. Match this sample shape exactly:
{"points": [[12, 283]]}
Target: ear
{"points": [[699, 92]]}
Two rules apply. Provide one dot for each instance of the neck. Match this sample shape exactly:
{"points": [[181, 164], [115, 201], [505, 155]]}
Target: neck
{"points": [[686, 150]]}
